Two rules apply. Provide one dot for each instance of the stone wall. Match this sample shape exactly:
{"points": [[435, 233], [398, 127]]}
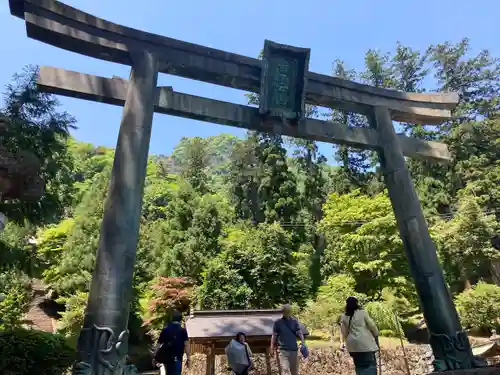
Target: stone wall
{"points": [[328, 361]]}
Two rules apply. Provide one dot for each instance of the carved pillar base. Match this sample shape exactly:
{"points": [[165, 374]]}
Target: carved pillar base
{"points": [[453, 352], [490, 370], [105, 351]]}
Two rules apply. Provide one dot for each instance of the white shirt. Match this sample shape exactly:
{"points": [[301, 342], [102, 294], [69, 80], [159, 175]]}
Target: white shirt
{"points": [[360, 335]]}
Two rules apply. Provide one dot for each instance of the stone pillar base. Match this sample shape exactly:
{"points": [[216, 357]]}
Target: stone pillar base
{"points": [[490, 370]]}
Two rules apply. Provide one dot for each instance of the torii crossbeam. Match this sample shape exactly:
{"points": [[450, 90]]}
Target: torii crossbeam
{"points": [[167, 101], [284, 83]]}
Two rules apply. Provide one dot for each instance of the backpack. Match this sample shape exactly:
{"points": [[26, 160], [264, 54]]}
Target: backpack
{"points": [[165, 353]]}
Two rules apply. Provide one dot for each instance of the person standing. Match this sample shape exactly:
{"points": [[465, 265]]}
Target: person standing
{"points": [[172, 344], [239, 355], [360, 336], [286, 330]]}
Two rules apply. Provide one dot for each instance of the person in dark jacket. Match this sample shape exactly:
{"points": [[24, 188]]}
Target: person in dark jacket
{"points": [[172, 344]]}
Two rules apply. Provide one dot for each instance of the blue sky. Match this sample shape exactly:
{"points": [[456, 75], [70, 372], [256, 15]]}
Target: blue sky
{"points": [[332, 29]]}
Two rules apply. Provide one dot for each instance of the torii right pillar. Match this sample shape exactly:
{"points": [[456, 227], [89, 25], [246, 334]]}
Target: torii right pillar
{"points": [[449, 342]]}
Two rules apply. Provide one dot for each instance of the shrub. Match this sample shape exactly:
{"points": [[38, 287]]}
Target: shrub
{"points": [[479, 307], [71, 320], [15, 287], [323, 313], [165, 295], [27, 352], [383, 316]]}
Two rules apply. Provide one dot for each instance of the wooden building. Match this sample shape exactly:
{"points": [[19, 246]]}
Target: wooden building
{"points": [[211, 331]]}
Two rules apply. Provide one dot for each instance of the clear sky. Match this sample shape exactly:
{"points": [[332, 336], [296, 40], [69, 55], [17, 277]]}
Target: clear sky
{"points": [[333, 29]]}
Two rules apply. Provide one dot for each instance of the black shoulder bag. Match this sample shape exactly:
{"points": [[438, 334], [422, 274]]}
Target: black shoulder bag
{"points": [[165, 352], [349, 325], [291, 330]]}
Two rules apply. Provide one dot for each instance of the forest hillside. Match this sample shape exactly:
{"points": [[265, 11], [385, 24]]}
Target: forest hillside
{"points": [[258, 221]]}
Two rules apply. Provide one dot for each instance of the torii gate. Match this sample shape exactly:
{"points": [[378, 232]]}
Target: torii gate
{"points": [[285, 85]]}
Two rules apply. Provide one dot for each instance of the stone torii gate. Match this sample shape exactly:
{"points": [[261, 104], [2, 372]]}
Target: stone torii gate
{"points": [[285, 85]]}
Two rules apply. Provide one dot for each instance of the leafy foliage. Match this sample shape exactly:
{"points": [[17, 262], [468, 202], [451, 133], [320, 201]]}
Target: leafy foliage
{"points": [[329, 304], [27, 352], [264, 268], [363, 241], [72, 319], [465, 242], [479, 306], [15, 288], [167, 294], [37, 127], [384, 317]]}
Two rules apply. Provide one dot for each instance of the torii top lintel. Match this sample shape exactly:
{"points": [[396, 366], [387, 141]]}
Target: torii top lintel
{"points": [[63, 26]]}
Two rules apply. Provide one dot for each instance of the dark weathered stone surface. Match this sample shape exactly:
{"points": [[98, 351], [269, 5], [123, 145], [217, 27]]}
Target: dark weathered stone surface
{"points": [[112, 91], [449, 342], [495, 241], [490, 370], [66, 27], [102, 345], [283, 82]]}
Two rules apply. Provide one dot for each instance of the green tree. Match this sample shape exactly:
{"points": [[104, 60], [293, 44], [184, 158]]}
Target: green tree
{"points": [[38, 127], [244, 179], [262, 186], [311, 176], [323, 312], [261, 264], [73, 268], [189, 235], [17, 249], [223, 287], [218, 150], [194, 163], [474, 78], [464, 243], [363, 241], [277, 191], [355, 163]]}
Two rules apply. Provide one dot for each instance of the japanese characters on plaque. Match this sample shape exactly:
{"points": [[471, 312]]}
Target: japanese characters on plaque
{"points": [[283, 82]]}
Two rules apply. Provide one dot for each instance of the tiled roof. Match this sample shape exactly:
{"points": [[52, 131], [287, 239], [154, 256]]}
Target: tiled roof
{"points": [[218, 323]]}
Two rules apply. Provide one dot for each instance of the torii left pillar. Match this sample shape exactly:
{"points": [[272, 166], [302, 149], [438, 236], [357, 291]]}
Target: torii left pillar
{"points": [[103, 341]]}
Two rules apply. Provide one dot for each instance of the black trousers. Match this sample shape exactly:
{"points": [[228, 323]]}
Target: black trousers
{"points": [[365, 363], [244, 372]]}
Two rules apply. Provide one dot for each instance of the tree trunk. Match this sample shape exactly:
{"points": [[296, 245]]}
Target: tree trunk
{"points": [[495, 271]]}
